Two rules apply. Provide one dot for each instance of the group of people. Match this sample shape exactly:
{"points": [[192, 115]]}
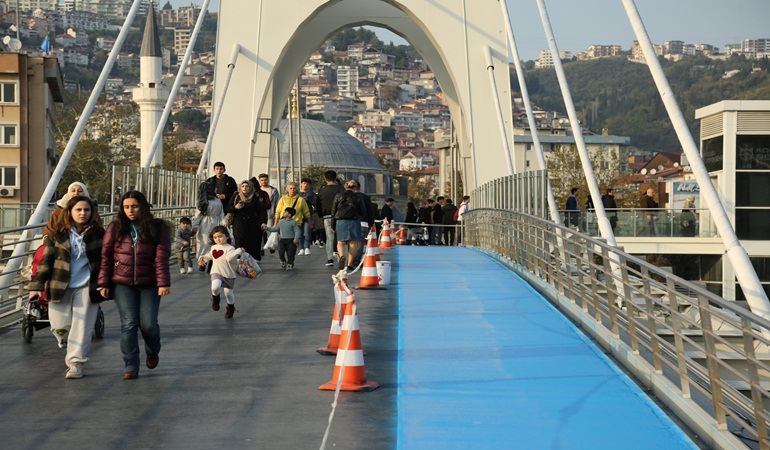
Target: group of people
{"points": [[83, 264], [435, 222]]}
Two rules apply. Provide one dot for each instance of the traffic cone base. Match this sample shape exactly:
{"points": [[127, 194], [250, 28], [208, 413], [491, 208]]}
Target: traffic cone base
{"points": [[336, 327], [369, 278]]}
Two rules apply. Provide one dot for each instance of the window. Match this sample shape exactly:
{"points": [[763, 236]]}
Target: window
{"points": [[7, 134], [8, 93], [8, 176]]}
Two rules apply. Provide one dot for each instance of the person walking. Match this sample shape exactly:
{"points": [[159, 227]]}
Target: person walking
{"points": [[348, 211], [224, 185], [211, 213], [290, 233], [74, 189], [182, 241], [411, 215], [611, 207], [573, 209], [135, 252], [436, 219], [366, 222], [306, 192], [688, 218], [293, 200], [449, 222], [462, 209], [68, 273], [323, 206], [648, 205], [249, 219], [387, 210], [223, 258]]}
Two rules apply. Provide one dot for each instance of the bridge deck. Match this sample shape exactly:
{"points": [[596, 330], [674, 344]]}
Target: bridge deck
{"points": [[467, 356]]}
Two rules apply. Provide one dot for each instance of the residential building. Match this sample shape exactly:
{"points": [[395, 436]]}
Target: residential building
{"points": [[600, 51], [368, 135], [755, 47], [347, 81], [184, 16], [181, 40], [546, 59], [405, 117], [29, 88], [375, 118]]}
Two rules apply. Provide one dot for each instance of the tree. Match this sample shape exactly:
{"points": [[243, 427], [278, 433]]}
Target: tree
{"points": [[192, 119], [420, 186], [565, 171], [315, 172]]}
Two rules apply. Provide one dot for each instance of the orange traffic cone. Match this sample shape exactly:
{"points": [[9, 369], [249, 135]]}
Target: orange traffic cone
{"points": [[401, 235], [350, 358], [369, 278], [334, 333], [385, 238], [373, 237]]}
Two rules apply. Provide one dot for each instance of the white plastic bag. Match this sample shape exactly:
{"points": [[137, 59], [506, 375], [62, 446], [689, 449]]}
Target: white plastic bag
{"points": [[272, 241]]}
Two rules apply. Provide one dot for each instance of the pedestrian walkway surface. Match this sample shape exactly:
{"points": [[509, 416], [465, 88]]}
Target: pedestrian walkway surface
{"points": [[486, 362]]}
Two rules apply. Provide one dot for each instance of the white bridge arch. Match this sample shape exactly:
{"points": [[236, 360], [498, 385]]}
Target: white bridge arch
{"points": [[459, 40]]}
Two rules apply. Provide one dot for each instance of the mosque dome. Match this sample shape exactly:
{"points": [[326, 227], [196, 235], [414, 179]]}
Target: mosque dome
{"points": [[326, 145]]}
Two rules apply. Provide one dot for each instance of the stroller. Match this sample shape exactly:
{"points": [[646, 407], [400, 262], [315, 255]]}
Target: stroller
{"points": [[35, 317]]}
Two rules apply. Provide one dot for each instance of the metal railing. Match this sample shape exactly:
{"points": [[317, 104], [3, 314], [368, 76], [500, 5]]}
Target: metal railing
{"points": [[707, 358], [637, 222], [14, 290]]}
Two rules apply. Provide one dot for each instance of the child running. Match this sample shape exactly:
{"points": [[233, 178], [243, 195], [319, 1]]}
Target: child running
{"points": [[223, 257], [290, 233]]}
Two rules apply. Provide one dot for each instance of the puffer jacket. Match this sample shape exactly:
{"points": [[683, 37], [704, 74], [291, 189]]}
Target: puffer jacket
{"points": [[53, 272], [140, 264]]}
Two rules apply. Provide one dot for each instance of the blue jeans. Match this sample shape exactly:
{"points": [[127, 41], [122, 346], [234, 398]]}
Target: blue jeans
{"points": [[138, 308], [331, 242], [306, 237]]}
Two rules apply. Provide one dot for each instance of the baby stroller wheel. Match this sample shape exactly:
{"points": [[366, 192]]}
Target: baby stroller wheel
{"points": [[27, 330], [99, 325]]}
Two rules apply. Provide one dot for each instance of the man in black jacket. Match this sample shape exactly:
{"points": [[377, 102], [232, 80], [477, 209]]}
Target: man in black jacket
{"points": [[224, 185], [348, 210], [323, 206], [366, 223]]}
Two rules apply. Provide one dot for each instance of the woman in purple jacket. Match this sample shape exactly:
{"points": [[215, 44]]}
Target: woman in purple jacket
{"points": [[134, 267]]}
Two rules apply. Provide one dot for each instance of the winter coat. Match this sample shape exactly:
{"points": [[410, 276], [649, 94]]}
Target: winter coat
{"points": [[54, 267], [140, 264]]}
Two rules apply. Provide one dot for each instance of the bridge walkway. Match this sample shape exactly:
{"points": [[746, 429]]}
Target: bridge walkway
{"points": [[466, 353]]}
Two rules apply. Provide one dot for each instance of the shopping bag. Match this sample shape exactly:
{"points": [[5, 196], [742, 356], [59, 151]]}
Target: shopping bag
{"points": [[272, 241], [248, 266]]}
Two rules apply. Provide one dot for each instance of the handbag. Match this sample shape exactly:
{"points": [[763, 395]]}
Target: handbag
{"points": [[272, 241], [248, 266]]}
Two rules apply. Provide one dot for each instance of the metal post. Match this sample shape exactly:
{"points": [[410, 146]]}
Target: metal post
{"points": [[500, 118]]}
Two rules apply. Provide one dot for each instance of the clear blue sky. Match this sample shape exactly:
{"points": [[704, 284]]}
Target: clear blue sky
{"points": [[578, 24]]}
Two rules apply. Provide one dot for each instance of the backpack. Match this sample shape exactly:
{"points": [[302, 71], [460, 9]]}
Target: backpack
{"points": [[30, 271], [457, 214], [346, 208]]}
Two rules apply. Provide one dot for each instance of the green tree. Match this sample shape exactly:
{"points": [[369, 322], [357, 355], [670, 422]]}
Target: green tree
{"points": [[192, 119], [315, 172], [420, 186], [565, 171]]}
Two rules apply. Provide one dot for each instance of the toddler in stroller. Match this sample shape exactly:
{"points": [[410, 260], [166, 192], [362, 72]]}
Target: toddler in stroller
{"points": [[35, 318]]}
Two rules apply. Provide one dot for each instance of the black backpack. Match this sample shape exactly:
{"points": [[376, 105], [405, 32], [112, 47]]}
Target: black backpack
{"points": [[346, 208]]}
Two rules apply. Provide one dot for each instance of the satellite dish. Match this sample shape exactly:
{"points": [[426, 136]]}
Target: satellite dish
{"points": [[14, 44], [676, 164], [643, 172], [687, 168], [6, 40], [653, 172], [660, 167]]}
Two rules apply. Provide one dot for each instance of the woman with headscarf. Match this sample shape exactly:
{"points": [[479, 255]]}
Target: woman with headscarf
{"points": [[73, 190], [210, 214], [249, 219]]}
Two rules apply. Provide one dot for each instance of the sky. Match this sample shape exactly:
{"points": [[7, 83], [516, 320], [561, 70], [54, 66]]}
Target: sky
{"points": [[578, 24]]}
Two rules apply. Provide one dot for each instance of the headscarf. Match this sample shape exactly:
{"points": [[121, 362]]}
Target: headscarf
{"points": [[249, 194], [205, 192], [62, 202]]}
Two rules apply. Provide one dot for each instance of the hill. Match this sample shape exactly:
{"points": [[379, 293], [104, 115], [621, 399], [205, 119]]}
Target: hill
{"points": [[621, 96]]}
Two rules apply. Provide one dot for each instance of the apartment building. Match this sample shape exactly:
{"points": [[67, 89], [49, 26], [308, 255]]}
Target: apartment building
{"points": [[375, 118], [546, 59], [368, 135], [184, 16], [181, 40], [29, 88], [406, 118], [347, 81]]}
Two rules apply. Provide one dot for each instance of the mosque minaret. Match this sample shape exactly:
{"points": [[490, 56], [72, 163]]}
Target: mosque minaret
{"points": [[152, 94]]}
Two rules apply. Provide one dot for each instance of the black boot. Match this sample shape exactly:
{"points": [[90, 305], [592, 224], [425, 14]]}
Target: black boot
{"points": [[229, 310], [215, 302]]}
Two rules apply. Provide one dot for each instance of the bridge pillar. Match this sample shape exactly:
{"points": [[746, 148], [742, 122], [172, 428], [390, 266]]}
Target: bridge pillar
{"points": [[278, 36]]}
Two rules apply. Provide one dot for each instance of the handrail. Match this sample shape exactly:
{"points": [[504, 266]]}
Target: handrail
{"points": [[704, 356]]}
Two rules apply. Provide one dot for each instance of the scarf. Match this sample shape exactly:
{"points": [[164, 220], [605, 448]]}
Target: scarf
{"points": [[249, 194], [62, 202]]}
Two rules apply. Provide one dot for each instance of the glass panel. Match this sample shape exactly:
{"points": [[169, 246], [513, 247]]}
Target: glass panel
{"points": [[713, 154], [752, 189], [761, 267], [753, 152], [751, 224], [9, 93], [9, 176], [9, 135]]}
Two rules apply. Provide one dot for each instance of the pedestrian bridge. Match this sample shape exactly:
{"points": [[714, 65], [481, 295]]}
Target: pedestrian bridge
{"points": [[509, 341]]}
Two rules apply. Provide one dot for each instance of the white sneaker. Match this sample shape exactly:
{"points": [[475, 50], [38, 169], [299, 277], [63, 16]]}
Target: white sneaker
{"points": [[307, 252], [75, 371], [300, 252], [181, 271], [189, 270]]}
